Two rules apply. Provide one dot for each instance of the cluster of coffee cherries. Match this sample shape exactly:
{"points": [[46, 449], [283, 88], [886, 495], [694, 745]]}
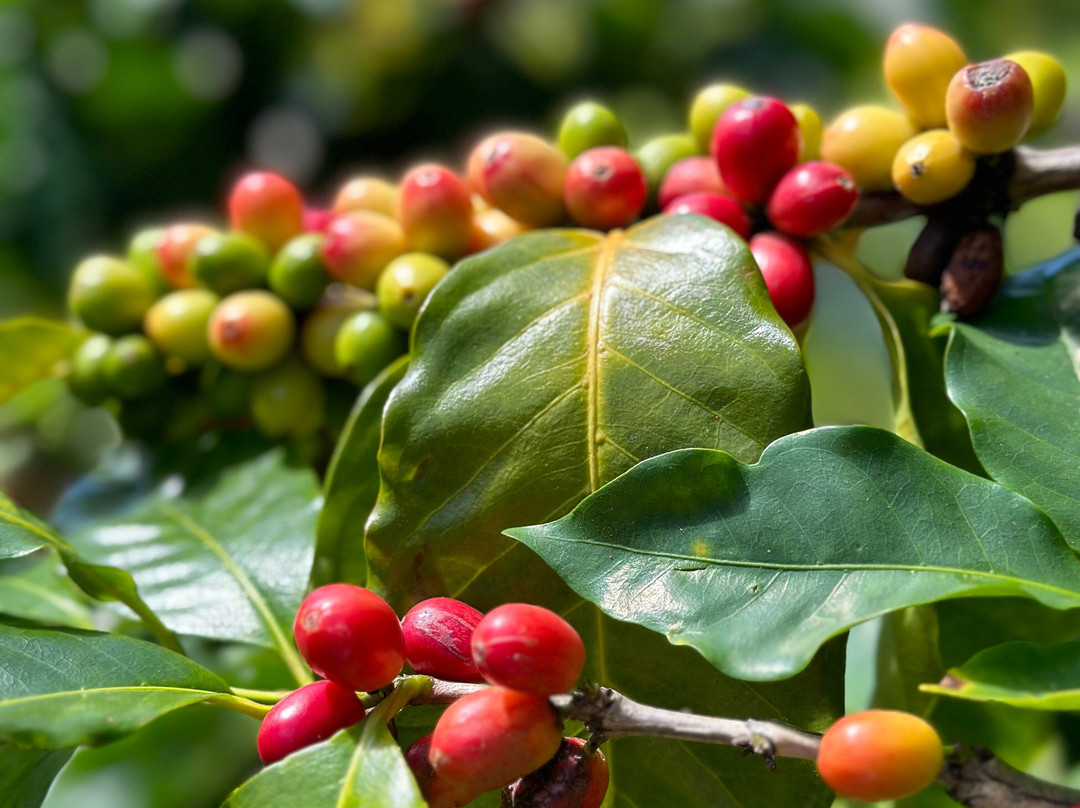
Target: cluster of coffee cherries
{"points": [[503, 736]]}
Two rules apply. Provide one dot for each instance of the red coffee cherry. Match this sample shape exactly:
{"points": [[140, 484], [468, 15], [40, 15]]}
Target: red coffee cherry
{"points": [[722, 208], [488, 739], [989, 105], [789, 275], [267, 206], [605, 188], [438, 791], [438, 639], [306, 716], [576, 777], [359, 244], [520, 174], [317, 220], [812, 198], [689, 176], [528, 648], [756, 141], [436, 211], [351, 636]]}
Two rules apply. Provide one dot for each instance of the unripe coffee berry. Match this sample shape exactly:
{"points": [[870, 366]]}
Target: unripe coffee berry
{"points": [[306, 716], [367, 193], [132, 366], [267, 206], [920, 61], [288, 401], [359, 244], [250, 330], [588, 125], [174, 250], [528, 648], [705, 110], [690, 175], [1047, 86], [365, 343], [577, 777], [435, 210], [811, 199], [229, 262], [110, 295], [657, 156], [406, 283], [177, 324], [605, 188], [86, 378], [438, 639], [864, 140], [755, 143], [810, 129], [298, 275], [351, 636], [522, 175], [989, 106], [718, 207], [932, 167], [788, 273]]}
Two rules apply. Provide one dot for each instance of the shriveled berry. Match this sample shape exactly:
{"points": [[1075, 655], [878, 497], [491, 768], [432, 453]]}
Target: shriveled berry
{"points": [[438, 639], [920, 61], [177, 324], [298, 275], [688, 176], [974, 272], [438, 792], [657, 156], [521, 175], [528, 648], [359, 244], [367, 193], [306, 716], [405, 284], [351, 636], [267, 206], [1047, 86], [756, 141], [705, 110], [229, 262], [288, 401], [812, 198], [251, 330], [718, 207], [932, 167], [365, 344], [789, 275], [491, 227], [577, 777], [488, 739], [588, 125], [864, 140], [174, 250], [605, 188], [110, 295], [810, 128], [989, 106], [435, 210], [932, 250], [86, 378], [132, 367]]}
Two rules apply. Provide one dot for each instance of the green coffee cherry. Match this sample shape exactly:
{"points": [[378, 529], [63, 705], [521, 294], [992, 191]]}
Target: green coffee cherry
{"points": [[366, 343], [227, 392], [298, 275], [110, 295], [229, 262], [660, 154], [588, 125], [707, 107], [132, 367], [176, 324], [405, 284], [320, 329], [251, 330], [288, 401], [86, 379], [143, 254]]}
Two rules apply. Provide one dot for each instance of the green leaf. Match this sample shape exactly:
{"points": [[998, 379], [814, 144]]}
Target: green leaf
{"points": [[352, 485], [227, 558], [27, 774], [21, 533], [550, 365], [970, 625], [67, 687], [31, 348], [42, 593], [1022, 674], [1015, 374], [908, 656], [757, 565]]}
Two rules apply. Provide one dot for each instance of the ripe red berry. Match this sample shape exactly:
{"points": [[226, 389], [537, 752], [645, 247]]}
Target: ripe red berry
{"points": [[438, 639], [488, 739], [605, 188], [812, 198], [789, 275], [317, 220], [689, 176], [756, 141], [267, 206], [722, 208], [438, 791], [576, 777], [528, 648], [436, 210], [351, 636], [306, 716], [359, 244]]}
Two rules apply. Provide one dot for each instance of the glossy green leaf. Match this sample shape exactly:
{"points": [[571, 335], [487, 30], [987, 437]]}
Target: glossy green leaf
{"points": [[548, 366], [41, 592], [352, 485], [66, 687], [228, 558], [969, 625], [31, 348], [1015, 374], [1022, 674], [757, 565], [27, 774], [21, 533]]}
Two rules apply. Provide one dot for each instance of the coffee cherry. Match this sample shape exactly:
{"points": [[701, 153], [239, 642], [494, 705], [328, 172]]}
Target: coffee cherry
{"points": [[521, 175], [288, 401], [436, 211], [705, 110], [86, 378], [177, 324], [132, 367], [721, 208], [488, 739], [267, 206], [920, 61], [250, 330], [789, 275], [438, 792], [932, 250], [438, 639], [365, 344], [588, 125], [143, 255], [879, 755], [367, 193], [811, 199], [989, 106], [864, 141], [405, 284], [229, 262], [689, 176], [577, 777], [932, 167], [1047, 86], [359, 244], [491, 227], [756, 141], [305, 717], [298, 275], [605, 188], [810, 128], [174, 250], [109, 295], [320, 329], [317, 220], [528, 648], [657, 156]]}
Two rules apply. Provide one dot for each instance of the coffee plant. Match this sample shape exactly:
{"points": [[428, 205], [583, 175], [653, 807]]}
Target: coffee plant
{"points": [[576, 543]]}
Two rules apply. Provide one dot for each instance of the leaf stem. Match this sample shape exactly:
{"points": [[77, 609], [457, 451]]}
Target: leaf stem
{"points": [[262, 696], [239, 704]]}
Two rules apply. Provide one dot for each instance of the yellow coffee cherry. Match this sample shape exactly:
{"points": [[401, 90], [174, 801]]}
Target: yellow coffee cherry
{"points": [[707, 107], [864, 140], [919, 63], [1047, 83], [932, 167], [810, 128]]}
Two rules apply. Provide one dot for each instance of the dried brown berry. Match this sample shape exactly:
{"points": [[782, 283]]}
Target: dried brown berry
{"points": [[974, 272], [577, 777], [932, 250]]}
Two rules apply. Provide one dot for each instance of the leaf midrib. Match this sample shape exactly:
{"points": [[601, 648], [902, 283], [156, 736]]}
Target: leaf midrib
{"points": [[604, 261], [84, 692]]}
